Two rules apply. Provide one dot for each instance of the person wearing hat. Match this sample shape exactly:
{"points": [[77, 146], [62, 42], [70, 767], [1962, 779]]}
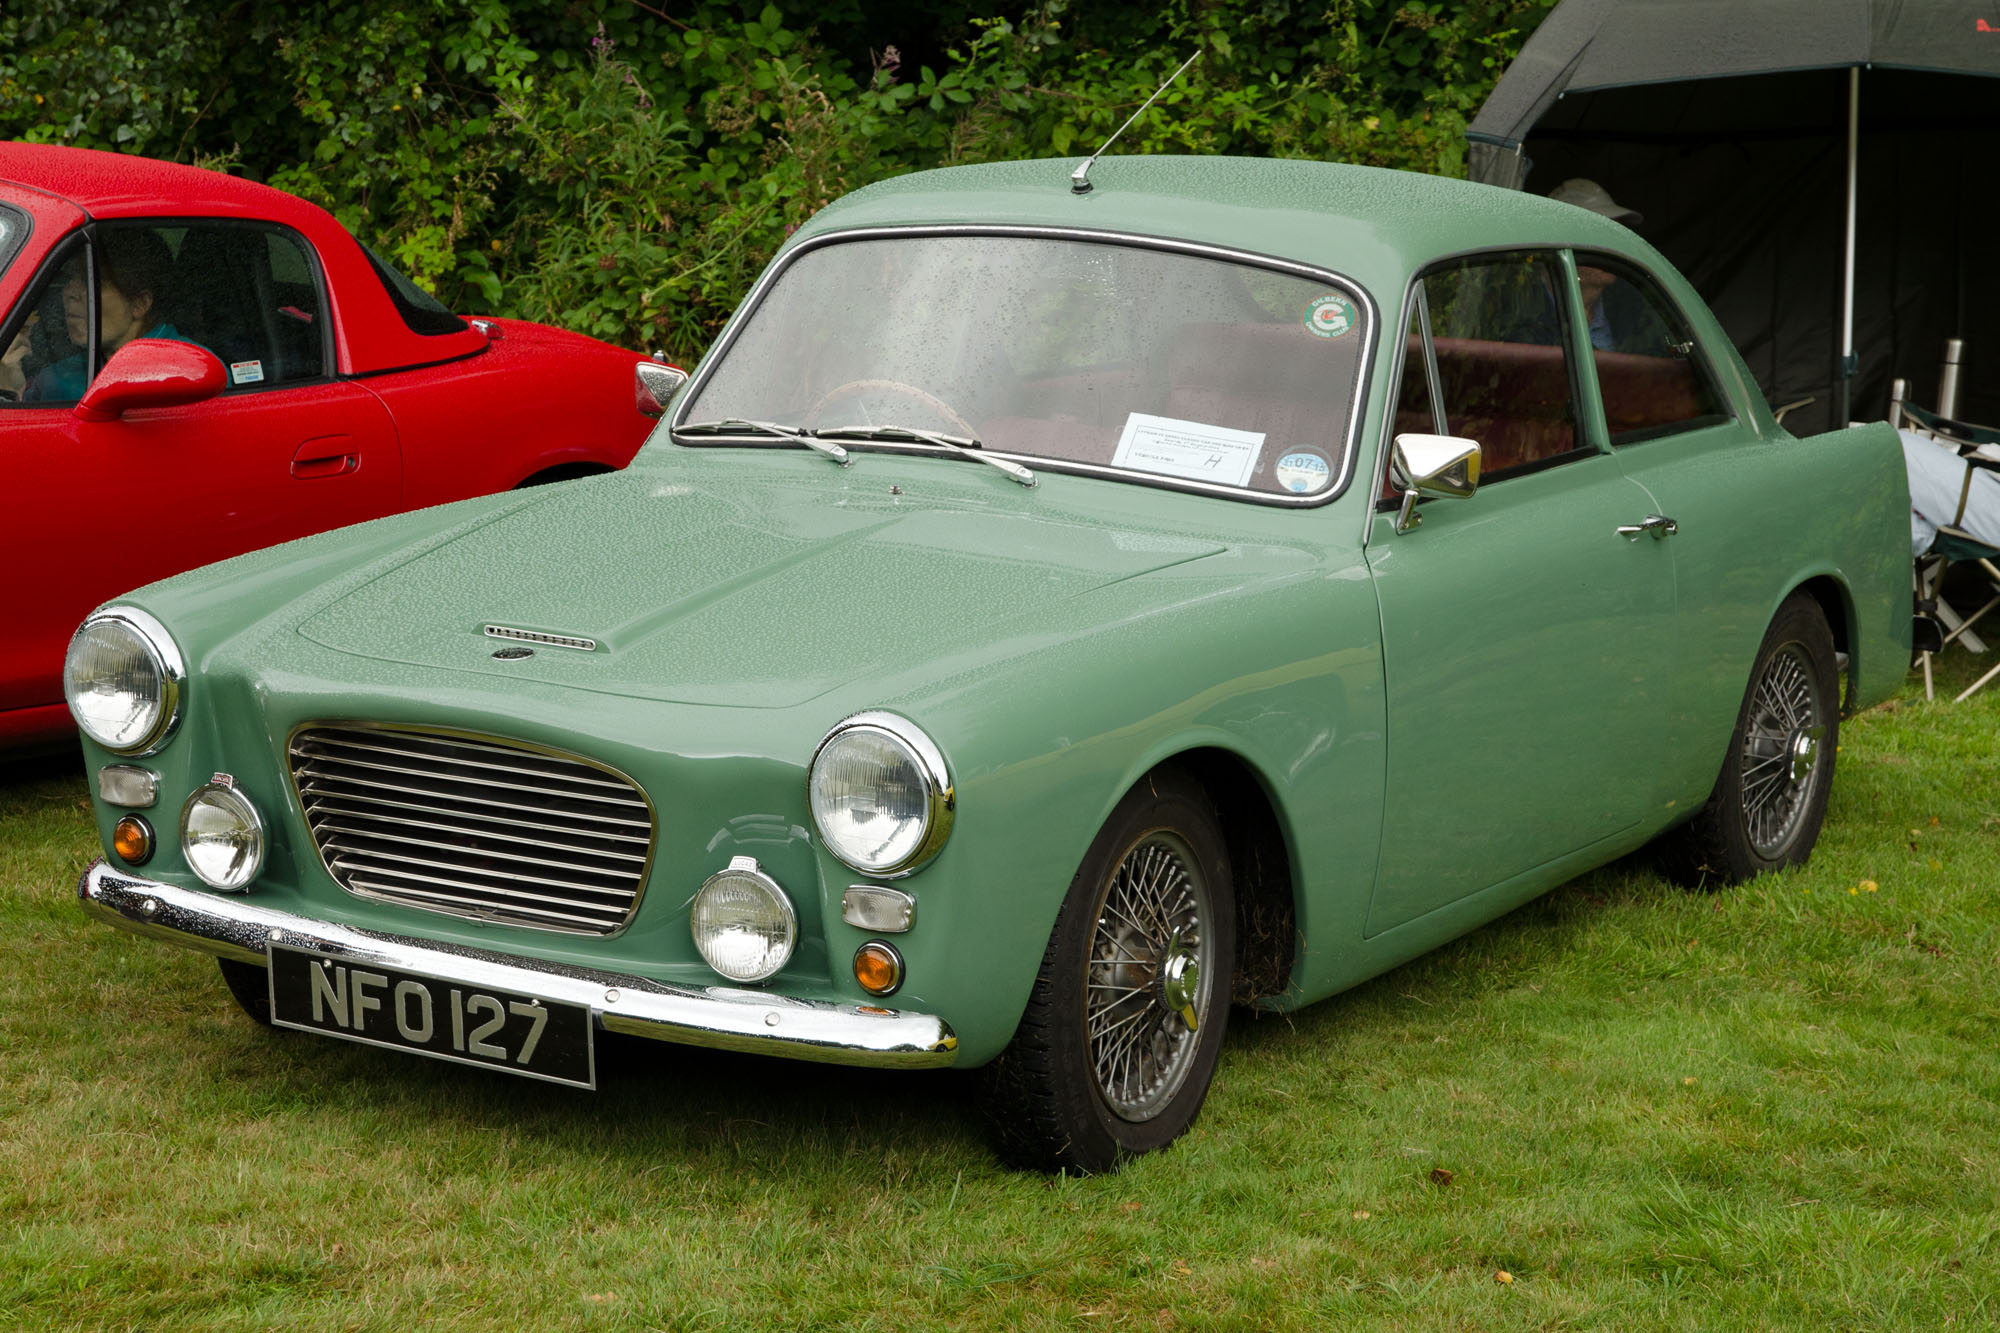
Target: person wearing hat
{"points": [[1589, 194], [1605, 326]]}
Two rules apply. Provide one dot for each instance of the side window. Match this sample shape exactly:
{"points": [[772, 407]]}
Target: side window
{"points": [[44, 362], [250, 294], [245, 292], [1650, 370], [1498, 336]]}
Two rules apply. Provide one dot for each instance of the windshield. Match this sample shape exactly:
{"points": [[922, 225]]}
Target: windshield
{"points": [[1153, 364]]}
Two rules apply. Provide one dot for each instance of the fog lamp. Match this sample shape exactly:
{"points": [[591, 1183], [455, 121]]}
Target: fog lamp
{"points": [[222, 836], [743, 923]]}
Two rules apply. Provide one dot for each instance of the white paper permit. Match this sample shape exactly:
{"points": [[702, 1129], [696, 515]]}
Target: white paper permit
{"points": [[1189, 450]]}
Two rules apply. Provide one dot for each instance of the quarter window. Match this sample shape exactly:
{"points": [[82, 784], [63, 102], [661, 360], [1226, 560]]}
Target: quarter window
{"points": [[1498, 337], [1650, 370]]}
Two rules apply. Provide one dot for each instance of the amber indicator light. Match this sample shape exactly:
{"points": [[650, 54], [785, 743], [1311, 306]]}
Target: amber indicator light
{"points": [[132, 839], [878, 967]]}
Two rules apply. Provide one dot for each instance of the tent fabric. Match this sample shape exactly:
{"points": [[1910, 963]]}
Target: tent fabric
{"points": [[1689, 112]]}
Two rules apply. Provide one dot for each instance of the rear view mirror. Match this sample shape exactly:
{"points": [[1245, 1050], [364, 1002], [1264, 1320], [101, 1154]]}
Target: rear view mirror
{"points": [[1439, 465], [151, 372]]}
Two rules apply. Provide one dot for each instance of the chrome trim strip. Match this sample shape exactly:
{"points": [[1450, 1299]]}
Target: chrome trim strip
{"points": [[1198, 249], [715, 1016]]}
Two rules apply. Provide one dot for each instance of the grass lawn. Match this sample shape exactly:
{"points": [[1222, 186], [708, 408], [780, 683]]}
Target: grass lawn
{"points": [[1625, 1106]]}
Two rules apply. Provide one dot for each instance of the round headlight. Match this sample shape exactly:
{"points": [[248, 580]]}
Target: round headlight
{"points": [[122, 679], [222, 837], [743, 923], [880, 795]]}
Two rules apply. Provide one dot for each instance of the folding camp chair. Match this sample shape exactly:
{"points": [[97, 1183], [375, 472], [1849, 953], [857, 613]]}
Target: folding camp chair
{"points": [[1978, 447]]}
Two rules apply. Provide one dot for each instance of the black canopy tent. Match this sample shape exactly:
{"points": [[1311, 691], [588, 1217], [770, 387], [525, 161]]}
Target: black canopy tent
{"points": [[1826, 173]]}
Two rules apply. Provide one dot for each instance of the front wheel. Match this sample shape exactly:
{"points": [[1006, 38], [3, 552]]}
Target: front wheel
{"points": [[1770, 799], [1118, 1045]]}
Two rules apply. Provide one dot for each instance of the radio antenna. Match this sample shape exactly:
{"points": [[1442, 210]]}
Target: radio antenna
{"points": [[1079, 180]]}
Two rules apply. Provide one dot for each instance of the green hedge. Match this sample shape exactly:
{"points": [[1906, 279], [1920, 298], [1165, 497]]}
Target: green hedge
{"points": [[626, 169]]}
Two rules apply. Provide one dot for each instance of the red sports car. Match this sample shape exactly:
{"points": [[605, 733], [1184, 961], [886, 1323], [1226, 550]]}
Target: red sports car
{"points": [[192, 366]]}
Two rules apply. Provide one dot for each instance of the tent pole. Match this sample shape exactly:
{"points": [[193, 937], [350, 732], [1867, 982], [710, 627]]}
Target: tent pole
{"points": [[1848, 362]]}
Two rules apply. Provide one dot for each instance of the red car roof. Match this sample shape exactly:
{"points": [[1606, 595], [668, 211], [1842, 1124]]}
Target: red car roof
{"points": [[369, 334]]}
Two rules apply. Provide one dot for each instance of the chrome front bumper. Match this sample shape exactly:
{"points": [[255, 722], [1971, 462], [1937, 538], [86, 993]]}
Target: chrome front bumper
{"points": [[717, 1016]]}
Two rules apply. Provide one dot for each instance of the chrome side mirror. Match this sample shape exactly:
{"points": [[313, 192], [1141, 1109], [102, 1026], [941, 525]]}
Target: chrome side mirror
{"points": [[654, 385], [1441, 465]]}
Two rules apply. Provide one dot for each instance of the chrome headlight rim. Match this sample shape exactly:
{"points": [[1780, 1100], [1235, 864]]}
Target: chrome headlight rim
{"points": [[941, 801], [227, 793], [165, 656]]}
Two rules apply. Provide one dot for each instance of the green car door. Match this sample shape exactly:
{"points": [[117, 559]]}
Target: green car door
{"points": [[1527, 641]]}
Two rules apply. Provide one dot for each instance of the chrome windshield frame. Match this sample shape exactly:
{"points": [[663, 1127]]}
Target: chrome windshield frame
{"points": [[1348, 446]]}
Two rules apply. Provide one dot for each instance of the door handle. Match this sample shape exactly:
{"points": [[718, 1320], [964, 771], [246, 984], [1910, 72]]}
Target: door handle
{"points": [[327, 456], [1657, 524]]}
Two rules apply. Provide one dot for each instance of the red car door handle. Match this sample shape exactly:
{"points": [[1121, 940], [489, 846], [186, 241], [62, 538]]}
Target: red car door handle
{"points": [[328, 456]]}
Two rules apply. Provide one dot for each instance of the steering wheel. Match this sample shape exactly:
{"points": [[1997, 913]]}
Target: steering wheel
{"points": [[861, 388]]}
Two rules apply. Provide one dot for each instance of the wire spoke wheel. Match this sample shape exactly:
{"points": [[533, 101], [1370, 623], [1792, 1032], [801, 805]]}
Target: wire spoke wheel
{"points": [[1781, 746], [1148, 974], [1119, 1040], [1770, 798]]}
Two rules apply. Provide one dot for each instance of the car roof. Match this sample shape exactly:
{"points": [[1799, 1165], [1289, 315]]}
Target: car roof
{"points": [[108, 185], [370, 335], [1373, 224]]}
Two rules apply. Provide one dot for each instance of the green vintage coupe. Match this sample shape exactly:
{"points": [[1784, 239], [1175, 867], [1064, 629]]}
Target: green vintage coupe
{"points": [[1056, 610]]}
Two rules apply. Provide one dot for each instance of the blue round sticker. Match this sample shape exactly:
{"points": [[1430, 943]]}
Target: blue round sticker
{"points": [[1302, 473]]}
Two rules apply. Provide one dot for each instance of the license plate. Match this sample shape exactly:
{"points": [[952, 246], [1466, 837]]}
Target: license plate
{"points": [[436, 1016]]}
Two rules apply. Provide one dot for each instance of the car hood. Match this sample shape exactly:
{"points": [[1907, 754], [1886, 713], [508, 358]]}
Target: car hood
{"points": [[758, 599]]}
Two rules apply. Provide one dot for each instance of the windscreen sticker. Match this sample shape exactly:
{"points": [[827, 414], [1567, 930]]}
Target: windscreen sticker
{"points": [[1303, 473], [1330, 316], [1189, 450], [246, 372]]}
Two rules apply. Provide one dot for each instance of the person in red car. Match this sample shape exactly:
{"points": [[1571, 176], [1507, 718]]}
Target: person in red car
{"points": [[133, 272]]}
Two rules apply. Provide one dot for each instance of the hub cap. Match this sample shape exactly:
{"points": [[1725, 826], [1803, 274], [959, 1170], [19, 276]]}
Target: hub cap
{"points": [[1781, 751], [1147, 978]]}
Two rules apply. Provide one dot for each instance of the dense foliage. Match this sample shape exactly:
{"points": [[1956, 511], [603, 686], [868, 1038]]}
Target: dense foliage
{"points": [[626, 168]]}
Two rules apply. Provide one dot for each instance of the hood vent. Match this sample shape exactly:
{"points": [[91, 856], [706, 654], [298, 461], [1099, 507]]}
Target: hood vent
{"points": [[536, 636]]}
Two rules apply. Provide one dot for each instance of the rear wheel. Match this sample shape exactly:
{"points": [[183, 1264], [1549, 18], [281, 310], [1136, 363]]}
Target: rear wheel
{"points": [[1118, 1045], [250, 985], [1770, 799]]}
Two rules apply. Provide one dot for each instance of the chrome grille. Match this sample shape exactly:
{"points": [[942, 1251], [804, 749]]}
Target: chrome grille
{"points": [[475, 826]]}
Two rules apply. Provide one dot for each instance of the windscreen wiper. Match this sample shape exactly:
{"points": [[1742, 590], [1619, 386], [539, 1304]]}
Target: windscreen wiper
{"points": [[739, 426], [958, 444]]}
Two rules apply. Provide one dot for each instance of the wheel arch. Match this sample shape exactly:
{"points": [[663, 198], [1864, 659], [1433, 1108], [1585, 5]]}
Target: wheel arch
{"points": [[563, 472], [1261, 866], [1836, 603]]}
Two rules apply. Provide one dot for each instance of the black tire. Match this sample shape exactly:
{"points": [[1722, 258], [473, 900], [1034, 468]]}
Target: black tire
{"points": [[1770, 800], [1076, 1089], [250, 985]]}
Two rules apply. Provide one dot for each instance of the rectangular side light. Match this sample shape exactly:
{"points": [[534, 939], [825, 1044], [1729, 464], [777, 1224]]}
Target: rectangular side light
{"points": [[878, 908], [128, 786]]}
